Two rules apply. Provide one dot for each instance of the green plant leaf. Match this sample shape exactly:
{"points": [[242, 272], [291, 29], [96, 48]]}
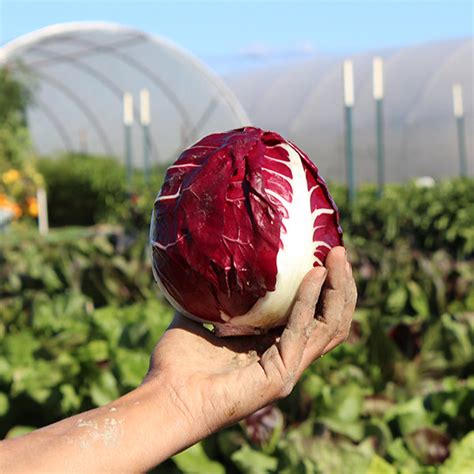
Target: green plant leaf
{"points": [[4, 404], [19, 431], [132, 366], [95, 350], [70, 401], [397, 300], [410, 415], [461, 460], [104, 389], [378, 465], [195, 459], [418, 299], [250, 461]]}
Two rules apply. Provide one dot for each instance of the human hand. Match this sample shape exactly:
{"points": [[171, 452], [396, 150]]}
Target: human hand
{"points": [[214, 382]]}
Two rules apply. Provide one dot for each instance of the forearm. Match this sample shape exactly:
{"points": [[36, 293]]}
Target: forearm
{"points": [[132, 434]]}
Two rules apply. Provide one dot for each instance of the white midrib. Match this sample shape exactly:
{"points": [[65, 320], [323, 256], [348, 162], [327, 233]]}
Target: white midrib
{"points": [[295, 259]]}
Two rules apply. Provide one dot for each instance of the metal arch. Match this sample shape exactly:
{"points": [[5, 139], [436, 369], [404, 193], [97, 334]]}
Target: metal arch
{"points": [[422, 91], [204, 117], [315, 89], [186, 141], [107, 83], [56, 123], [62, 29], [431, 79], [137, 38], [85, 110], [147, 72], [289, 74], [181, 55]]}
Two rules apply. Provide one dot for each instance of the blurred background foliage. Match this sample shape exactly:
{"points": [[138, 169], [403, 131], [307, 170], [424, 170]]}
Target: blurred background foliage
{"points": [[80, 314], [19, 177]]}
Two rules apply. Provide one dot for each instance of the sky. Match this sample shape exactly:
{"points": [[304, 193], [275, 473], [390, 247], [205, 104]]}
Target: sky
{"points": [[230, 35]]}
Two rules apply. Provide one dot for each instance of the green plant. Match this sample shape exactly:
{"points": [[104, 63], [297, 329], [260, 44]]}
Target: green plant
{"points": [[19, 179], [79, 315], [86, 189], [428, 218]]}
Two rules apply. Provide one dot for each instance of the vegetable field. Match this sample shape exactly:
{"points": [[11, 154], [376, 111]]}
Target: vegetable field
{"points": [[80, 314]]}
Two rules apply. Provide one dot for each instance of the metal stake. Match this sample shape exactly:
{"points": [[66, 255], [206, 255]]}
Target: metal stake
{"points": [[145, 122], [459, 115], [348, 79], [378, 96], [128, 122]]}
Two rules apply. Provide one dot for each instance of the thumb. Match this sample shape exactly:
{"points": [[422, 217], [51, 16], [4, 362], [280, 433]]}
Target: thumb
{"points": [[298, 329]]}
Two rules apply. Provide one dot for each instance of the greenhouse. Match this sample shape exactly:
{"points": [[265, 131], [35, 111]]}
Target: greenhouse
{"points": [[303, 101], [80, 73]]}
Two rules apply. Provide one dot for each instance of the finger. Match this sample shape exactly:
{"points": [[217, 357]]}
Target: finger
{"points": [[334, 287], [330, 307], [351, 299], [281, 361], [348, 312], [298, 329]]}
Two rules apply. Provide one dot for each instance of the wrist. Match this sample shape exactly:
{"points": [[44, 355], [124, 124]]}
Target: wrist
{"points": [[171, 404]]}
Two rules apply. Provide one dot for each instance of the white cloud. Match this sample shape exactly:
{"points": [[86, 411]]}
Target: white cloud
{"points": [[256, 50]]}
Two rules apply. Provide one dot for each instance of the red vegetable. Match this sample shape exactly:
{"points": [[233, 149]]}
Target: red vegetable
{"points": [[240, 219]]}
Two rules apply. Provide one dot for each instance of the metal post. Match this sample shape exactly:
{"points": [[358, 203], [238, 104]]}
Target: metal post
{"points": [[348, 81], [459, 115], [145, 122], [42, 201], [146, 154], [128, 122], [378, 96]]}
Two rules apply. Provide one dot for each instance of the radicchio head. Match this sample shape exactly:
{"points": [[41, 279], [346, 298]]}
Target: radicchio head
{"points": [[241, 217]]}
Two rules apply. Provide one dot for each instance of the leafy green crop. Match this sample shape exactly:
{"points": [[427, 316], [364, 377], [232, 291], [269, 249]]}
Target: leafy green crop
{"points": [[80, 314]]}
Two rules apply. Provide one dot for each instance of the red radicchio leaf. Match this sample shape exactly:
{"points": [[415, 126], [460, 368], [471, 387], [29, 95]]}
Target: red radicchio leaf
{"points": [[430, 445], [261, 425], [240, 218]]}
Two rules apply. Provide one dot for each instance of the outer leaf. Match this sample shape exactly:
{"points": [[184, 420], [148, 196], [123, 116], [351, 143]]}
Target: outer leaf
{"points": [[430, 445], [104, 389], [70, 401], [461, 460], [19, 431], [418, 299], [250, 461], [378, 465], [4, 404], [194, 460]]}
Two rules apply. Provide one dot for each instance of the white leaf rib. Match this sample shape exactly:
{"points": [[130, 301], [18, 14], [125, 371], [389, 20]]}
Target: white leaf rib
{"points": [[319, 212], [168, 197], [277, 196], [186, 165], [164, 247], [278, 160], [277, 173], [205, 146], [320, 243]]}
